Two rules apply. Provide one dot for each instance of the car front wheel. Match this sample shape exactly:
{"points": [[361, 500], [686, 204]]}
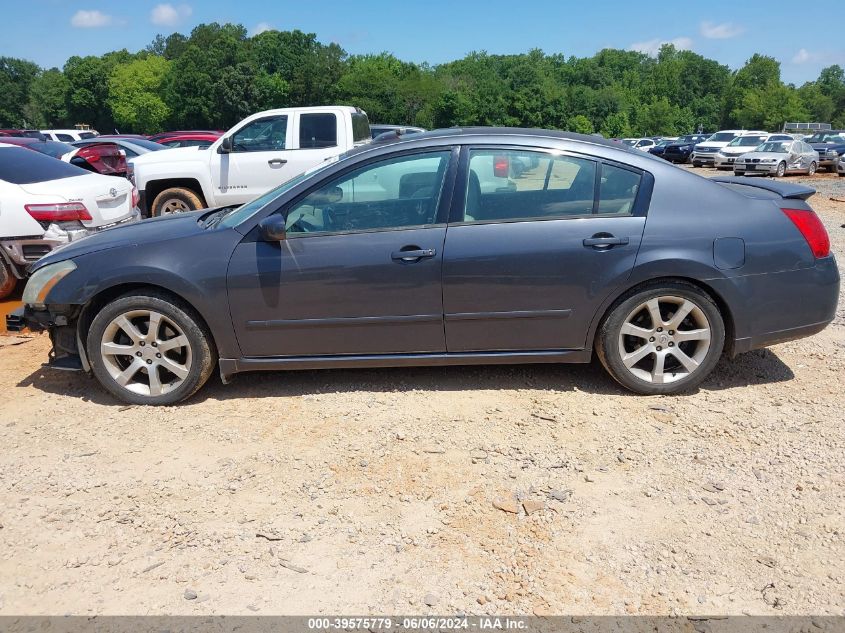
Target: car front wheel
{"points": [[176, 200], [661, 339], [150, 349], [812, 170], [781, 170]]}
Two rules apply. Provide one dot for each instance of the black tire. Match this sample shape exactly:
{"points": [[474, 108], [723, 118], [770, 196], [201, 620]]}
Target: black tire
{"points": [[175, 200], [203, 351], [8, 281], [696, 164], [608, 337]]}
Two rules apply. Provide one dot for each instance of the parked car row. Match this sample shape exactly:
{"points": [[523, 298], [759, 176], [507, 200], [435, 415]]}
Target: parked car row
{"points": [[749, 152]]}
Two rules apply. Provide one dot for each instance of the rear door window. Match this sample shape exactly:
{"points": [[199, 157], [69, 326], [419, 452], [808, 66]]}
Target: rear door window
{"points": [[317, 130], [360, 127], [67, 138], [23, 166], [618, 190], [512, 185]]}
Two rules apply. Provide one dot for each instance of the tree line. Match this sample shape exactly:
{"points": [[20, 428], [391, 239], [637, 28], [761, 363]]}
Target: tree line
{"points": [[218, 74]]}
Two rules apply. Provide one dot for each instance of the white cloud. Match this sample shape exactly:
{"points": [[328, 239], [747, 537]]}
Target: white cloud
{"points": [[261, 27], [90, 19], [168, 15], [652, 47], [803, 56], [723, 31]]}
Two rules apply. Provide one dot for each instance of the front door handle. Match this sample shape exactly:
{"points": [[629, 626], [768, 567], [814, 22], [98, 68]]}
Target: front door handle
{"points": [[603, 242], [412, 254], [276, 161]]}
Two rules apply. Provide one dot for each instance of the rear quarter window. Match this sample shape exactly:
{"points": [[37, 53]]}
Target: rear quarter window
{"points": [[21, 166], [317, 130], [360, 127]]}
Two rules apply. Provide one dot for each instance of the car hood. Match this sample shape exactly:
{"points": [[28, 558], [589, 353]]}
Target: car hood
{"points": [[167, 227], [717, 144], [764, 155], [735, 151], [826, 145]]}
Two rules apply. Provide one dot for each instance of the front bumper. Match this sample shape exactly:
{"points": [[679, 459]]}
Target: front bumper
{"points": [[840, 167], [703, 158], [676, 156], [61, 323], [762, 169], [724, 161]]}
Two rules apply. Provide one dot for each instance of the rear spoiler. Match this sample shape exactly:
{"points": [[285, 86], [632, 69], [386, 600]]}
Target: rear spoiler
{"points": [[786, 190]]}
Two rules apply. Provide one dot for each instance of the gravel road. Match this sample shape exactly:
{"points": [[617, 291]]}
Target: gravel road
{"points": [[483, 490]]}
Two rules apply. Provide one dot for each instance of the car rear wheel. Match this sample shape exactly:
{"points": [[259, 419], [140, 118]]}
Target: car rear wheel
{"points": [[150, 349], [176, 200], [663, 338], [781, 171], [812, 170], [8, 281]]}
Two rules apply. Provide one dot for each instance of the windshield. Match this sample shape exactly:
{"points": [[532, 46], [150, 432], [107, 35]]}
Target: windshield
{"points": [[142, 142], [825, 137], [746, 141], [244, 212], [721, 137], [776, 147]]}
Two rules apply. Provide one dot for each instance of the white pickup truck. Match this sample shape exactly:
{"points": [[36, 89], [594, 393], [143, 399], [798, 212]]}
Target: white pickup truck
{"points": [[259, 153]]}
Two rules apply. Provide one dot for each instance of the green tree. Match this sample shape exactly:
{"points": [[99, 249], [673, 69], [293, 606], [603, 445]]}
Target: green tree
{"points": [[616, 125], [47, 103], [16, 77], [135, 94], [581, 124]]}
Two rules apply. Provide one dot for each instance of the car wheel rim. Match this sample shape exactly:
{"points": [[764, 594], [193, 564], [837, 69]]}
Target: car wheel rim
{"points": [[781, 169], [174, 205], [146, 353], [812, 169], [664, 339]]}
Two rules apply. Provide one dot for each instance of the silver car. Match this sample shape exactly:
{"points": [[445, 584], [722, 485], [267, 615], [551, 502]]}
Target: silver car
{"points": [[778, 158], [743, 144]]}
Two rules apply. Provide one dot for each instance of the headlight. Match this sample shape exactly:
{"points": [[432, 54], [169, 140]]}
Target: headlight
{"points": [[832, 152], [43, 281]]}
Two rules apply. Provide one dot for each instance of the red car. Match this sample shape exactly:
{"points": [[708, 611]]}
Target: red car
{"points": [[103, 158], [187, 138]]}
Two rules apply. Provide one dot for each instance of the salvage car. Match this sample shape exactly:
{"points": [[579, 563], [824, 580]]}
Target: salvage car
{"points": [[742, 144], [778, 158], [830, 145], [101, 157], [425, 268], [45, 203], [704, 153], [680, 151], [131, 146]]}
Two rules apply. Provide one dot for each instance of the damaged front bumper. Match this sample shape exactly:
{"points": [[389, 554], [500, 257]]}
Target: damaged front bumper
{"points": [[60, 322]]}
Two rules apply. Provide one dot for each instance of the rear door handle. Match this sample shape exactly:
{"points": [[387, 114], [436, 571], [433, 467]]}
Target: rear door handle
{"points": [[605, 242], [413, 255], [276, 161]]}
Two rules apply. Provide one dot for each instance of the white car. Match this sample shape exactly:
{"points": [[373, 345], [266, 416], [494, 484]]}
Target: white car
{"points": [[642, 144], [743, 144], [705, 153], [69, 136], [258, 154], [45, 203]]}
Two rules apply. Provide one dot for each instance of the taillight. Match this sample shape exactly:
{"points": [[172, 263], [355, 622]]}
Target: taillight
{"points": [[136, 197], [812, 229], [501, 167], [58, 212]]}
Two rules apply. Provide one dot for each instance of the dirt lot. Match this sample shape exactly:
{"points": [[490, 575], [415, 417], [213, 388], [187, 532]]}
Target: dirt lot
{"points": [[377, 490]]}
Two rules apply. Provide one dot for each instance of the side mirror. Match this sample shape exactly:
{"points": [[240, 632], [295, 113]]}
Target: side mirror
{"points": [[272, 228], [225, 145]]}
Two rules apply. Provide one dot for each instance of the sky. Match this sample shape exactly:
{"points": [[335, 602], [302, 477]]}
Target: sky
{"points": [[437, 31]]}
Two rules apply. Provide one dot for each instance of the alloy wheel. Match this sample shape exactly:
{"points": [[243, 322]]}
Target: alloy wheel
{"points": [[664, 339], [781, 170], [146, 353]]}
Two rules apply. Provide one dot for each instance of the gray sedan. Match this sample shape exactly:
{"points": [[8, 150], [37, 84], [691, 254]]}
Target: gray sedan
{"points": [[778, 158], [405, 253]]}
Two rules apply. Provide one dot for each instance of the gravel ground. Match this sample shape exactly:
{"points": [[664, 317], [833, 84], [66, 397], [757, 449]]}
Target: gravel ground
{"points": [[485, 490]]}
